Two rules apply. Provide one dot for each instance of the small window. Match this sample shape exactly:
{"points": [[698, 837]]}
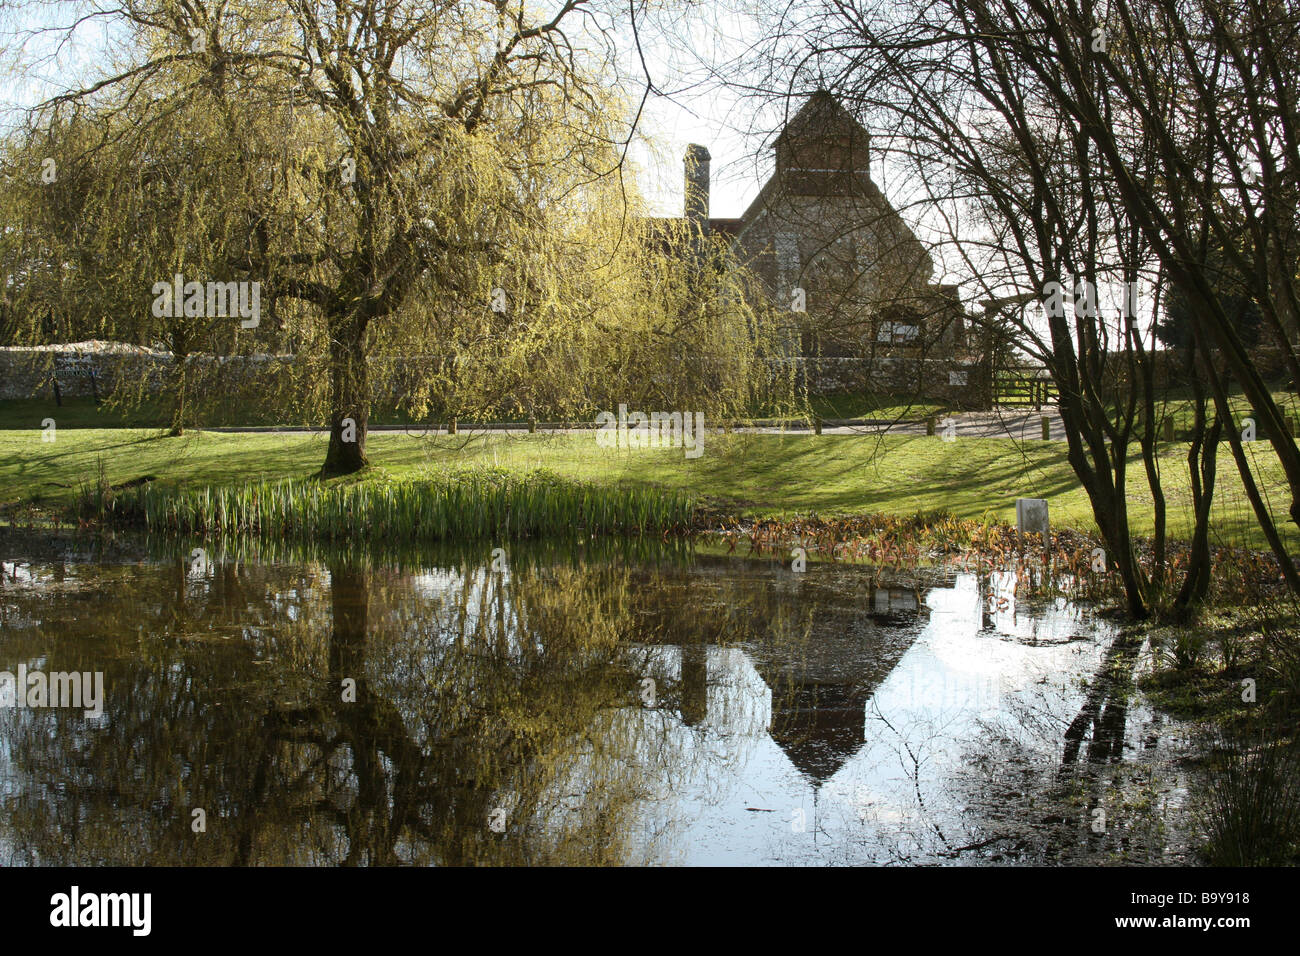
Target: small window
{"points": [[898, 333]]}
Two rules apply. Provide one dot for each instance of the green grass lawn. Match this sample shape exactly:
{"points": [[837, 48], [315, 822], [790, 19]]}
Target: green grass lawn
{"points": [[850, 405], [84, 413], [1177, 404], [75, 413], [753, 475]]}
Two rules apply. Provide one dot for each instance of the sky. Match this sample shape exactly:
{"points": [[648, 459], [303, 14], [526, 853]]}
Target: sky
{"points": [[686, 106], [685, 50], [740, 165], [691, 103]]}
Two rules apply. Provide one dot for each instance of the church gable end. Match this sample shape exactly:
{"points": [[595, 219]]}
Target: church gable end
{"points": [[820, 225]]}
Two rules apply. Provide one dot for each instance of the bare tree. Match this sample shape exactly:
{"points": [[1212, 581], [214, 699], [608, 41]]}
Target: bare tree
{"points": [[1065, 152]]}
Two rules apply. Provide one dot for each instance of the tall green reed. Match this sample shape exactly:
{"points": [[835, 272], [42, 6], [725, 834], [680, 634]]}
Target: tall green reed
{"points": [[476, 503]]}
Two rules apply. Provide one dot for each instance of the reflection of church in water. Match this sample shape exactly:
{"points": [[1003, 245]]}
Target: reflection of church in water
{"points": [[821, 681]]}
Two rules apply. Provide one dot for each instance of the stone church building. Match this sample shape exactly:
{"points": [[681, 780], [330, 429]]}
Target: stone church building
{"points": [[822, 236]]}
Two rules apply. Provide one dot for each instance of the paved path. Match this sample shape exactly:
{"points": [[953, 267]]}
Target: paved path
{"points": [[1002, 423]]}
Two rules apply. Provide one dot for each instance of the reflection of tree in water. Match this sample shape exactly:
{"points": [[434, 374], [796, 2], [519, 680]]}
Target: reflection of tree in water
{"points": [[486, 705], [1030, 793], [1102, 718], [476, 691], [175, 663], [505, 691], [710, 712]]}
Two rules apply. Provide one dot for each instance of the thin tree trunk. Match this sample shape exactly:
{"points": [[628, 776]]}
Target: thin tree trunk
{"points": [[1142, 366], [1094, 467], [1248, 483], [1202, 465]]}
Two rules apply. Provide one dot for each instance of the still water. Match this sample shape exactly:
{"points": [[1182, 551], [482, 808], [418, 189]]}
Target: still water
{"points": [[564, 705]]}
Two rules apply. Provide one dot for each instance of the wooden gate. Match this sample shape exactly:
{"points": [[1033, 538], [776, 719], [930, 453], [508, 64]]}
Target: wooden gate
{"points": [[1013, 388]]}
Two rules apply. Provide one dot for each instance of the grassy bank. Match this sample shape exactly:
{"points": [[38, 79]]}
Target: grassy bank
{"points": [[237, 412], [745, 475]]}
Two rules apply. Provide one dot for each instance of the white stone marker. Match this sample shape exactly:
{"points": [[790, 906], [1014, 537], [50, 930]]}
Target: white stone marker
{"points": [[1031, 517]]}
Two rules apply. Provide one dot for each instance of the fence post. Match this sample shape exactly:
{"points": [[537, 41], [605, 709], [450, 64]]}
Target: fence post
{"points": [[929, 425], [1047, 428]]}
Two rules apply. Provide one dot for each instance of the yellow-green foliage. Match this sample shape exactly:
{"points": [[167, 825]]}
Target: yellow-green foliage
{"points": [[462, 504], [466, 217]]}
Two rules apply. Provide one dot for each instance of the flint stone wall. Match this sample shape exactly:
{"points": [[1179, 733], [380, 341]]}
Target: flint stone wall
{"points": [[956, 382], [81, 373]]}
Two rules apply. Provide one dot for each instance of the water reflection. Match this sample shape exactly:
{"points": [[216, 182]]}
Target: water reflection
{"points": [[571, 704]]}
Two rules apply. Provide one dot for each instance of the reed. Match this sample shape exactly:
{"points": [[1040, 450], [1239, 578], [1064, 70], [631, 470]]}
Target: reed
{"points": [[472, 504], [1252, 810]]}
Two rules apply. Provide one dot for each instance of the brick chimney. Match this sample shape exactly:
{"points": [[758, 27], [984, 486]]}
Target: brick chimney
{"points": [[696, 195]]}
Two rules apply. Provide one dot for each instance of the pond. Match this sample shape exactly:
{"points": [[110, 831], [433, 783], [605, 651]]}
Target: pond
{"points": [[562, 705]]}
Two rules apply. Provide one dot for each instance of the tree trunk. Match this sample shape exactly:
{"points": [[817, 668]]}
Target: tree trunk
{"points": [[181, 387], [1143, 367], [1115, 532], [1287, 566], [1205, 446], [349, 398], [1201, 467], [1102, 478]]}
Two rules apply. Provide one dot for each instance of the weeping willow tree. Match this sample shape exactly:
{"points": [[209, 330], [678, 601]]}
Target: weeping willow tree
{"points": [[590, 309], [437, 190], [117, 205]]}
